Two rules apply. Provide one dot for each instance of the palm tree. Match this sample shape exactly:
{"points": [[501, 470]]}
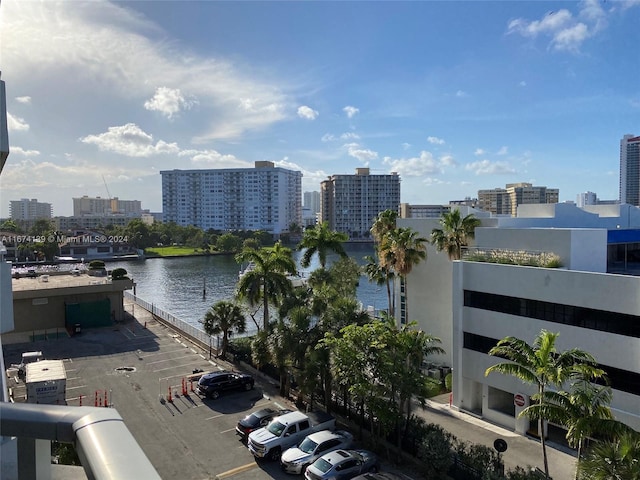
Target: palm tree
{"points": [[616, 459], [455, 233], [402, 249], [321, 240], [380, 276], [267, 281], [226, 318], [584, 410], [384, 223], [542, 365]]}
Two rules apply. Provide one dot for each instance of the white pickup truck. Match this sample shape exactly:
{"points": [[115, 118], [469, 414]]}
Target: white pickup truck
{"points": [[285, 431]]}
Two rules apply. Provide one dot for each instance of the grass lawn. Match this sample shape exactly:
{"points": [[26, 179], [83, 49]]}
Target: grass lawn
{"points": [[173, 251]]}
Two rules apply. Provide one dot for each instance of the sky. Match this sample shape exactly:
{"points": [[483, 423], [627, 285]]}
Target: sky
{"points": [[454, 96]]}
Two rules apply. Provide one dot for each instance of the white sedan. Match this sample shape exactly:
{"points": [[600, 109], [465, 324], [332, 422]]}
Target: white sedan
{"points": [[296, 459]]}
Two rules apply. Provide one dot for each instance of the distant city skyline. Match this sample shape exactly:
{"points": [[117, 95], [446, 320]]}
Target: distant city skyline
{"points": [[455, 97]]}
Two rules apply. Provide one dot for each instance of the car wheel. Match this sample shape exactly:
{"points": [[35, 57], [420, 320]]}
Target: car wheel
{"points": [[215, 394], [275, 454], [248, 386]]}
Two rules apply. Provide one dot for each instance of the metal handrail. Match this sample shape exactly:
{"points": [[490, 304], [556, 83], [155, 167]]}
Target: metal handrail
{"points": [[106, 447]]}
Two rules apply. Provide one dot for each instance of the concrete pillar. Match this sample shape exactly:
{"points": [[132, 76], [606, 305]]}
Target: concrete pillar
{"points": [[34, 459]]}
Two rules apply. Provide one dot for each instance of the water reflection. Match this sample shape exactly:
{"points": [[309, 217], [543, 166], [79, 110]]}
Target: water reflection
{"points": [[176, 284]]}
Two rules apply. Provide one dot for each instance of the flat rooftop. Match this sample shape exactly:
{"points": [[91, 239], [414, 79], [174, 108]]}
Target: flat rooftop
{"points": [[43, 282]]}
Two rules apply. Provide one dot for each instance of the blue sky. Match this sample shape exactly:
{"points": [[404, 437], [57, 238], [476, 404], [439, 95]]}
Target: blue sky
{"points": [[454, 96]]}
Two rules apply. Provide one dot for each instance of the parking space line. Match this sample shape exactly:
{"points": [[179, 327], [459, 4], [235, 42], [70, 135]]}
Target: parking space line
{"points": [[175, 366], [234, 471], [162, 353], [168, 359], [79, 386], [229, 430], [215, 416]]}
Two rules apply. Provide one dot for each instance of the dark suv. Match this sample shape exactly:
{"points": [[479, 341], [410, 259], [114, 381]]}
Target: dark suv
{"points": [[213, 384], [256, 420]]}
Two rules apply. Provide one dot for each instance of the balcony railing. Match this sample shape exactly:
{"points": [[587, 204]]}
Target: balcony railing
{"points": [[104, 444]]}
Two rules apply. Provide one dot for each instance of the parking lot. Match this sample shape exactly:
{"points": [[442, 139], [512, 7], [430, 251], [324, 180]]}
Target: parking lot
{"points": [[131, 367]]}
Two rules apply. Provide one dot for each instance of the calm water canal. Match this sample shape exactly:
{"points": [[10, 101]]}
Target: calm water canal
{"points": [[175, 284]]}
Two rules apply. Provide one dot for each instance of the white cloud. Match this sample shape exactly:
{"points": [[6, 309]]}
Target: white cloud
{"points": [[350, 111], [108, 47], [406, 146], [523, 83], [433, 181], [503, 151], [448, 161], [307, 113], [461, 94], [168, 101], [570, 39], [129, 140], [425, 164], [328, 137], [485, 167], [25, 99], [23, 153], [435, 140], [566, 32], [362, 154], [349, 136], [16, 124], [214, 159], [479, 152]]}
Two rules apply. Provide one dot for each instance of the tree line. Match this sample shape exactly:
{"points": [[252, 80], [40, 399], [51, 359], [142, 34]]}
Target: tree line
{"points": [[317, 338]]}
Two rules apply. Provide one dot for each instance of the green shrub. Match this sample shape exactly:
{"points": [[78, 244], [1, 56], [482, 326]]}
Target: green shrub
{"points": [[96, 264], [435, 451], [119, 274], [448, 382]]}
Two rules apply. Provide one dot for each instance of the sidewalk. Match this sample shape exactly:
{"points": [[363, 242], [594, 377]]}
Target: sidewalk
{"points": [[521, 451]]}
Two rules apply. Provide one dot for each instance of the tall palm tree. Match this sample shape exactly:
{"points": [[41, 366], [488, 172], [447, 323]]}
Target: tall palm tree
{"points": [[542, 365], [226, 318], [384, 223], [403, 248], [380, 276], [321, 240], [584, 411], [613, 459], [455, 233], [268, 280]]}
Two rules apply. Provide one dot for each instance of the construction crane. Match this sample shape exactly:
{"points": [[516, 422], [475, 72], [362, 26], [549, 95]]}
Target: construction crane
{"points": [[105, 186]]}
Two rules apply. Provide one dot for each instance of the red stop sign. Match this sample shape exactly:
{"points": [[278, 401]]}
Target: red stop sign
{"points": [[518, 399]]}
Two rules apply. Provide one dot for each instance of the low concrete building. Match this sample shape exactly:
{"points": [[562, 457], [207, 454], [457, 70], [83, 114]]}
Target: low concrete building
{"points": [[50, 302]]}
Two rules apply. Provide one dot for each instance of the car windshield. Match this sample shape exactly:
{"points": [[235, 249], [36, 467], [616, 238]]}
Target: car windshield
{"points": [[308, 445], [322, 465], [276, 428]]}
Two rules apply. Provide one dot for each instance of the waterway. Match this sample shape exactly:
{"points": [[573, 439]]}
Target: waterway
{"points": [[176, 285]]}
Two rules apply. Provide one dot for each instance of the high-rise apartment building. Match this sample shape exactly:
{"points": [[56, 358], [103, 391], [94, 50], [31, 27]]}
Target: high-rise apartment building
{"points": [[96, 206], [265, 198], [586, 198], [351, 203], [25, 209], [630, 170], [505, 201], [311, 200]]}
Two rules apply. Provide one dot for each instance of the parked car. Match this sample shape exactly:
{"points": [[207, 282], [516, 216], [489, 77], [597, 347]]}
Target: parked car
{"points": [[213, 384], [256, 420], [342, 465], [296, 459], [380, 476]]}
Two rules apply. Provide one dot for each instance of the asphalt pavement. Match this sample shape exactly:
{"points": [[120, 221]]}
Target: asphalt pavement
{"points": [[133, 366]]}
